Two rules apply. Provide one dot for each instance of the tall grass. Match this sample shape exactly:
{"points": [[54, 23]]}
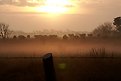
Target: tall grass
{"points": [[101, 52]]}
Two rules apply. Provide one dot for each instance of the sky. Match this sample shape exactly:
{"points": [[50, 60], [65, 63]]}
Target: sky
{"points": [[76, 15]]}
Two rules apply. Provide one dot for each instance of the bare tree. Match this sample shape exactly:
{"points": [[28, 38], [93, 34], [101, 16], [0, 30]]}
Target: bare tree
{"points": [[117, 23], [104, 30], [4, 31]]}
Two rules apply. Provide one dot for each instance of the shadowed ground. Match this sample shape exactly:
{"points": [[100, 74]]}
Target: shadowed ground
{"points": [[20, 60], [67, 69]]}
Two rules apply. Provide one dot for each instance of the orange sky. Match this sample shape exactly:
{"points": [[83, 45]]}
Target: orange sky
{"points": [[81, 15]]}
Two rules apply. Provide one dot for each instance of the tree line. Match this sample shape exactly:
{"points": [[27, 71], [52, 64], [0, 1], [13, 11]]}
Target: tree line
{"points": [[107, 29]]}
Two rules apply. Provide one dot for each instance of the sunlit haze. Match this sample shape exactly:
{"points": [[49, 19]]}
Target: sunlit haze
{"points": [[77, 15], [54, 6]]}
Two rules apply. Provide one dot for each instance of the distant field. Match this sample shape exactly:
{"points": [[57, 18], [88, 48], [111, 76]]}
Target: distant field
{"points": [[58, 47]]}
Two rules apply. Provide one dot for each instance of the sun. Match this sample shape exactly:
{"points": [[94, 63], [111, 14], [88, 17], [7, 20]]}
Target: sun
{"points": [[52, 9], [54, 6]]}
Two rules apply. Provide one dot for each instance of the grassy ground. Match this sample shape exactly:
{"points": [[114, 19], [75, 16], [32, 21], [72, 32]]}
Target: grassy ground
{"points": [[74, 60], [67, 69], [58, 47]]}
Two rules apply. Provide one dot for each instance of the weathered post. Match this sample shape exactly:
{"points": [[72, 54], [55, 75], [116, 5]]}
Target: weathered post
{"points": [[49, 67]]}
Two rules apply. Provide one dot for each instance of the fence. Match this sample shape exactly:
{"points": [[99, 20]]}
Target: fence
{"points": [[49, 67]]}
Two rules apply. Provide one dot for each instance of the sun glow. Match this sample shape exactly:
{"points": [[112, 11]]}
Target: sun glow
{"points": [[52, 9], [54, 6]]}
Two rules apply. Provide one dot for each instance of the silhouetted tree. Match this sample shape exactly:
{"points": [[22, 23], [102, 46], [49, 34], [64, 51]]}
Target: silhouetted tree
{"points": [[4, 30], [28, 36], [21, 37], [71, 36], [65, 37], [89, 35], [103, 30], [14, 37], [117, 23], [83, 35]]}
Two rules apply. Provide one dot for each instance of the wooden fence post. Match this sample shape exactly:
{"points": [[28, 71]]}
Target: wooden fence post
{"points": [[49, 67]]}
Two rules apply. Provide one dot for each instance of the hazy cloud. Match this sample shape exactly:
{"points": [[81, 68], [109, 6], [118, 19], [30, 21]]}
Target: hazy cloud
{"points": [[21, 2], [94, 6], [99, 11]]}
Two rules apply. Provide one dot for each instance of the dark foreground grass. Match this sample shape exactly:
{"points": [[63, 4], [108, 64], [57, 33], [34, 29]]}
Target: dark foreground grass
{"points": [[67, 69]]}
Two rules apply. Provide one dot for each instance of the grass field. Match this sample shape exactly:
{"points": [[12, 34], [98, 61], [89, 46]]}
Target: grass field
{"points": [[67, 69], [58, 47], [74, 60]]}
